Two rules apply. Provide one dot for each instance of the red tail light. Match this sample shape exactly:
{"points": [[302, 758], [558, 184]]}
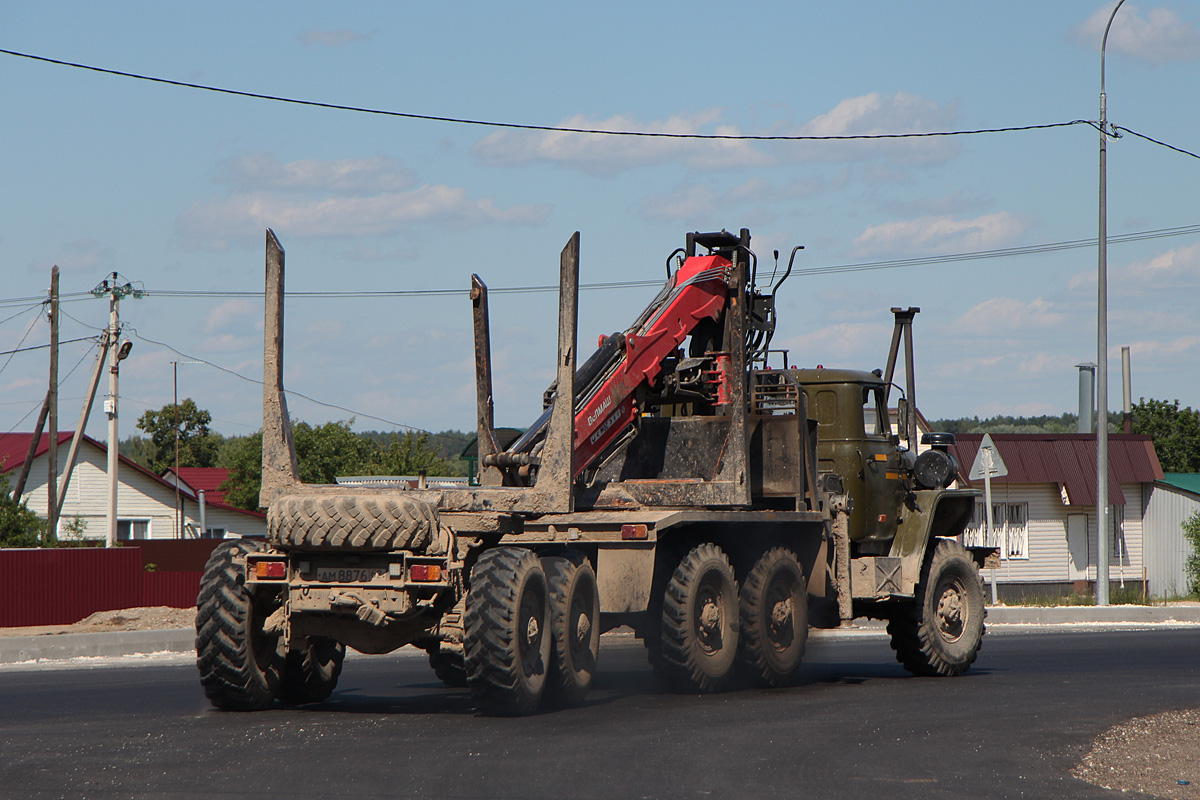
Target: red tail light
{"points": [[270, 569], [424, 572]]}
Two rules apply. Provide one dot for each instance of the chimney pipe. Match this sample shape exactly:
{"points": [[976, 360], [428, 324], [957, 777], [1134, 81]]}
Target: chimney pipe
{"points": [[1127, 392], [1087, 394]]}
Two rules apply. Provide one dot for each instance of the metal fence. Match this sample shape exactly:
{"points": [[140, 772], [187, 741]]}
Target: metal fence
{"points": [[60, 586]]}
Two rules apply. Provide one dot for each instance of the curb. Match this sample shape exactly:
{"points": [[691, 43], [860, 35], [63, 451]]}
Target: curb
{"points": [[59, 647], [14, 649], [1068, 615]]}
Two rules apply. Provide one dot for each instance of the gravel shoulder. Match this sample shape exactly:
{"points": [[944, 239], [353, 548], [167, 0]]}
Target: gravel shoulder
{"points": [[127, 619], [1157, 755]]}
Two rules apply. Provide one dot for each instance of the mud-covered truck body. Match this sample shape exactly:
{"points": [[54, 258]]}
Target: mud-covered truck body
{"points": [[685, 480]]}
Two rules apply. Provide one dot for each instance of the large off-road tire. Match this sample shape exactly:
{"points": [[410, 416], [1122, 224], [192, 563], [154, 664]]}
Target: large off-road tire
{"points": [[940, 631], [450, 668], [240, 664], [774, 621], [311, 673], [700, 622], [506, 631], [575, 628], [351, 522]]}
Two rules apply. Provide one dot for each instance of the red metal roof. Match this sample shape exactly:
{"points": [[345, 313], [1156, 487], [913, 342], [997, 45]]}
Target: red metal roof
{"points": [[204, 479], [1067, 459], [15, 446]]}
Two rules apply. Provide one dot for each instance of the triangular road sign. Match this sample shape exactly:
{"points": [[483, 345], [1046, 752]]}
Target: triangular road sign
{"points": [[988, 463]]}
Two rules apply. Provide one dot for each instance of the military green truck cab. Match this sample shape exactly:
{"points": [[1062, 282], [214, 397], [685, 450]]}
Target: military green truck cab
{"points": [[854, 441], [899, 522]]}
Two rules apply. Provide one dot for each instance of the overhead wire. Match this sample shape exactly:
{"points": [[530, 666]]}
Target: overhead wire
{"points": [[21, 313], [25, 336], [1008, 252], [290, 392], [531, 127], [1155, 141]]}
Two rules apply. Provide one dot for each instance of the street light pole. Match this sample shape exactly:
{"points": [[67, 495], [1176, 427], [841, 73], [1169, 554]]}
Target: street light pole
{"points": [[1102, 507]]}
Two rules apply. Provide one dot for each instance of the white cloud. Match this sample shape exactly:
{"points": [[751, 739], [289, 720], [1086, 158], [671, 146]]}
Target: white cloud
{"points": [[689, 202], [259, 171], [696, 202], [339, 38], [1177, 268], [229, 343], [1159, 37], [1173, 349], [928, 235], [601, 154], [1003, 316], [844, 344], [875, 114], [78, 256], [1167, 268], [232, 313], [344, 198]]}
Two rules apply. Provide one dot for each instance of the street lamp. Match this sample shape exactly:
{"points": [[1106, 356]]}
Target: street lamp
{"points": [[1102, 510]]}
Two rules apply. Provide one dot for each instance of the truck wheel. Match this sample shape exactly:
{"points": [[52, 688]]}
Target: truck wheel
{"points": [[575, 625], [450, 669], [239, 663], [311, 673], [940, 631], [506, 638], [700, 622], [774, 623], [350, 522]]}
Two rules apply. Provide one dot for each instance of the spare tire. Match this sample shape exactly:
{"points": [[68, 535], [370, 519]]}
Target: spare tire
{"points": [[351, 522]]}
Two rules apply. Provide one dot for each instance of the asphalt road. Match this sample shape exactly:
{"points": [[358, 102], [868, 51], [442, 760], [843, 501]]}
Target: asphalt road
{"points": [[857, 727]]}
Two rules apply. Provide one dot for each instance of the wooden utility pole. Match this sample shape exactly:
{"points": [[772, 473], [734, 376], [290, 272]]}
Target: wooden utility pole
{"points": [[52, 403]]}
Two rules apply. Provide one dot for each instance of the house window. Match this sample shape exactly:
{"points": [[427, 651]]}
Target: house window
{"points": [[1119, 551], [1010, 525], [214, 533], [128, 529]]}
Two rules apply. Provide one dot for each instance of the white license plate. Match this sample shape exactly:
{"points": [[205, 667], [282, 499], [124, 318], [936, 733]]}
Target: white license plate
{"points": [[347, 574]]}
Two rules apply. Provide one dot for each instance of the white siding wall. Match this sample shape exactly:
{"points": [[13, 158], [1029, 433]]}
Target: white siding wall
{"points": [[1166, 550], [1049, 556], [138, 497]]}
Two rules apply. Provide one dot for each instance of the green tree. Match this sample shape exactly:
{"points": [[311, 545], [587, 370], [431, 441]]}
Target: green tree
{"points": [[1175, 430], [242, 456], [323, 453], [326, 451], [19, 526], [139, 449], [198, 446], [408, 455]]}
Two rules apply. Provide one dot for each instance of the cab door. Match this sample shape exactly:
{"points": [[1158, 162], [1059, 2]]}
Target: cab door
{"points": [[883, 492]]}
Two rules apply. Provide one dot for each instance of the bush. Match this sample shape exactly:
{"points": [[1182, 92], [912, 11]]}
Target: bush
{"points": [[19, 527], [1191, 567]]}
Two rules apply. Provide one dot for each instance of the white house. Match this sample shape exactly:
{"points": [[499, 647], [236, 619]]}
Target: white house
{"points": [[146, 503], [1044, 510]]}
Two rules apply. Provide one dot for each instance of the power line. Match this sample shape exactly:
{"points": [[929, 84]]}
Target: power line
{"points": [[289, 392], [25, 336], [530, 127], [1008, 252], [20, 313], [44, 346], [1156, 141]]}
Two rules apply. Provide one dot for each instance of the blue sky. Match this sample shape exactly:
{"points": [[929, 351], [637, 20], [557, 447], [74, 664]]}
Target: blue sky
{"points": [[173, 187]]}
